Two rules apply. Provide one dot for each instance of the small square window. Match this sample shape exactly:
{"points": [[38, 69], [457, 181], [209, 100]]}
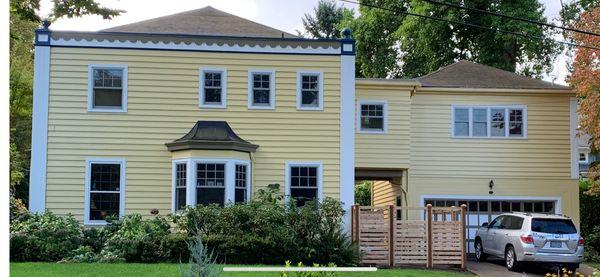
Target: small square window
{"points": [[372, 116], [309, 91], [213, 88], [107, 88]]}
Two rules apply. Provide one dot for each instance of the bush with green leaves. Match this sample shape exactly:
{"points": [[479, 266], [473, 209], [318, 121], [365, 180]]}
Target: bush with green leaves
{"points": [[268, 231], [44, 237]]}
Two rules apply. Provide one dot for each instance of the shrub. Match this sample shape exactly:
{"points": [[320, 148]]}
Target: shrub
{"points": [[44, 237], [590, 222], [267, 231], [138, 240]]}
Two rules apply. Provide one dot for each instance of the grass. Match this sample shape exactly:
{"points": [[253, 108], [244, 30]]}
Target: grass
{"points": [[147, 270]]}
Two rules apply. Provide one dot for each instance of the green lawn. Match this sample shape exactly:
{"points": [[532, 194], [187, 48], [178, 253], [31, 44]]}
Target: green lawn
{"points": [[147, 270]]}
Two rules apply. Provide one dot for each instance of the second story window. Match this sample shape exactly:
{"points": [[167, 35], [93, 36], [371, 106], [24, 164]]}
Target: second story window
{"points": [[309, 94], [372, 116], [261, 89], [107, 88], [489, 122], [213, 88]]}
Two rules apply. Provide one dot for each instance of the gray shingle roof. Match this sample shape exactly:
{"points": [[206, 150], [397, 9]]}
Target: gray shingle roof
{"points": [[206, 21], [465, 74]]}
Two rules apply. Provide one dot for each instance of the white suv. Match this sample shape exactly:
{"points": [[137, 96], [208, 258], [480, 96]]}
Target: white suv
{"points": [[529, 237]]}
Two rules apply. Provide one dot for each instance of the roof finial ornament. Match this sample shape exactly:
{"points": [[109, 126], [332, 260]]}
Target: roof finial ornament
{"points": [[45, 24], [346, 32]]}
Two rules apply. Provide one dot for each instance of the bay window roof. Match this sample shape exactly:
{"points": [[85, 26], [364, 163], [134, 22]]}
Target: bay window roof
{"points": [[211, 135]]}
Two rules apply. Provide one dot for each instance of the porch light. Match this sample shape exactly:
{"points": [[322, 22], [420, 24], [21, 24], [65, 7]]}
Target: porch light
{"points": [[491, 185]]}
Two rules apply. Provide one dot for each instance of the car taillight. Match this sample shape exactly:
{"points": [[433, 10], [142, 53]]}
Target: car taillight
{"points": [[527, 239], [581, 241]]}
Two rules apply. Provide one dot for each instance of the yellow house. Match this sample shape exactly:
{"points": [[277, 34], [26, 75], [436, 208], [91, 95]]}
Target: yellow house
{"points": [[206, 107]]}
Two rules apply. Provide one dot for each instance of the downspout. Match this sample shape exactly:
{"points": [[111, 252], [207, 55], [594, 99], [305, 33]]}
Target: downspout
{"points": [[251, 174]]}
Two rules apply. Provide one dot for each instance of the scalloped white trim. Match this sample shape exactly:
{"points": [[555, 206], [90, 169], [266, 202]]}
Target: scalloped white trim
{"points": [[136, 44]]}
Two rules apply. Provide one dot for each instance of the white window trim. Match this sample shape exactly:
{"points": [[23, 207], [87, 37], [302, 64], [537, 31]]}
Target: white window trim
{"points": [[88, 171], [174, 182], [299, 90], [271, 105], [359, 113], [90, 100], [192, 162], [201, 103], [288, 167], [248, 190], [587, 156], [506, 121], [557, 206]]}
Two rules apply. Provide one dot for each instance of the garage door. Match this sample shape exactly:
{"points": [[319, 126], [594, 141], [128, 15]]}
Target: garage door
{"points": [[485, 210]]}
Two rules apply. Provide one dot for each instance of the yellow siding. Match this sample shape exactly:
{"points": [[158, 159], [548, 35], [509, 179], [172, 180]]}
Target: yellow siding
{"points": [[385, 193], [392, 149], [163, 106], [545, 154]]}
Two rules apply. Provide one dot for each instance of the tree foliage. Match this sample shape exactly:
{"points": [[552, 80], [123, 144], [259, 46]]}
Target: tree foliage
{"points": [[585, 78], [24, 18], [391, 44], [327, 20]]}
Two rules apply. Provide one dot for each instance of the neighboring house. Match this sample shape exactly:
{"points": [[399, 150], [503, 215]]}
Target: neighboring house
{"points": [[586, 156], [207, 107]]}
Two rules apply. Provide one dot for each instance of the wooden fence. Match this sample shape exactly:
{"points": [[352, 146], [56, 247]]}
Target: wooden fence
{"points": [[391, 236]]}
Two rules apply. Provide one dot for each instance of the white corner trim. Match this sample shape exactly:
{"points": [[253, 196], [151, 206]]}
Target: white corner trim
{"points": [[90, 96], [488, 122], [359, 115], [201, 103], [299, 74], [347, 135], [88, 171], [212, 47], [557, 208], [290, 164], [574, 120], [251, 105], [39, 129]]}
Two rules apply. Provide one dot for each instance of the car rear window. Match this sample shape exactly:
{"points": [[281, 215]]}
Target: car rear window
{"points": [[553, 226]]}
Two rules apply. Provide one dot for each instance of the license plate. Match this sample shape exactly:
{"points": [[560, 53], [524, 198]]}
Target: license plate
{"points": [[555, 244]]}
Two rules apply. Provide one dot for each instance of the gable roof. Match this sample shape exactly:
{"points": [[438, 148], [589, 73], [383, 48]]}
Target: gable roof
{"points": [[206, 21], [465, 74]]}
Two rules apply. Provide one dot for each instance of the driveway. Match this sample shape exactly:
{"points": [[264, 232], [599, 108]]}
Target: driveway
{"points": [[495, 268]]}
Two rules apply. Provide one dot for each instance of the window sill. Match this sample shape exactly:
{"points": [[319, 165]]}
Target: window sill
{"points": [[107, 110], [261, 107], [499, 138], [372, 131], [209, 106], [309, 108]]}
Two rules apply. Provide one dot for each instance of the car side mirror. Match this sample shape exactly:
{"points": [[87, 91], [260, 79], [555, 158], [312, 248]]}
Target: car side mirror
{"points": [[485, 224]]}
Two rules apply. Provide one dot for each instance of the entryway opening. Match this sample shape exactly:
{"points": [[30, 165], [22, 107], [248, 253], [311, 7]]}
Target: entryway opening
{"points": [[376, 186]]}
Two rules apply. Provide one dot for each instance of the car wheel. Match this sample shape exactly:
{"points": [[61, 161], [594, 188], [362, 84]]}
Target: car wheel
{"points": [[480, 256], [510, 257]]}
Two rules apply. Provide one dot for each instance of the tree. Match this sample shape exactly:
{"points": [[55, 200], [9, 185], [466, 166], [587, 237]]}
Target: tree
{"points": [[585, 78], [327, 20], [362, 193], [24, 18], [391, 44]]}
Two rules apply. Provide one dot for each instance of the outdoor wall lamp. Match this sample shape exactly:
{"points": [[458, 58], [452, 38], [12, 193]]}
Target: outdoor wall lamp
{"points": [[491, 185]]}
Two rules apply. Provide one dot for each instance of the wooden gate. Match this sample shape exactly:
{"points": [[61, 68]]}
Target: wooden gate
{"points": [[392, 236]]}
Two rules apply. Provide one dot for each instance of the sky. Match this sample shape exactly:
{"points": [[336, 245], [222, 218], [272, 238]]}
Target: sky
{"points": [[280, 14]]}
